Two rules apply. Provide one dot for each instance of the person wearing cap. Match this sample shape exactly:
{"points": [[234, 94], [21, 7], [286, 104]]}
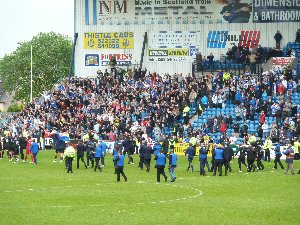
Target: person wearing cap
{"points": [[120, 159], [289, 159], [191, 152], [160, 165], [69, 156], [173, 158]]}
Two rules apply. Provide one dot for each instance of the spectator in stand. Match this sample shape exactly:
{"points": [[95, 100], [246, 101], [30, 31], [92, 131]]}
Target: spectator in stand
{"points": [[211, 61], [278, 38], [262, 118]]}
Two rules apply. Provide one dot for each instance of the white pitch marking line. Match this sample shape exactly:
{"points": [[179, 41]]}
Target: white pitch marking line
{"points": [[7, 191], [162, 201], [153, 202], [61, 206], [30, 189], [18, 190]]}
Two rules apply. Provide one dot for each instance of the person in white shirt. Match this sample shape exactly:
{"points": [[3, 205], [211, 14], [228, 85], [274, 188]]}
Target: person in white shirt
{"points": [[265, 128]]}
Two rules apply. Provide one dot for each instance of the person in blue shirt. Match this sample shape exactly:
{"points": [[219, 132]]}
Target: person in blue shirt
{"points": [[289, 159], [160, 165], [98, 155], [219, 159], [203, 159], [173, 158], [191, 152], [104, 148], [120, 165], [35, 150], [117, 148], [278, 155]]}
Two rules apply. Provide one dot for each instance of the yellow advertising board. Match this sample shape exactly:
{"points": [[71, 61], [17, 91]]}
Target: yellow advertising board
{"points": [[180, 149], [109, 40]]}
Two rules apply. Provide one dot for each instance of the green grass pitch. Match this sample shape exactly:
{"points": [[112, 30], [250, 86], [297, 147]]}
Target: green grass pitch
{"points": [[46, 194]]}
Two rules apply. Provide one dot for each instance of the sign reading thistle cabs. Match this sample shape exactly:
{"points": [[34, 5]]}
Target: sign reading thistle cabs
{"points": [[112, 40]]}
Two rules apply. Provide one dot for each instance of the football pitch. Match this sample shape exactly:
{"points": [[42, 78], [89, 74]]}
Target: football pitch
{"points": [[46, 194]]}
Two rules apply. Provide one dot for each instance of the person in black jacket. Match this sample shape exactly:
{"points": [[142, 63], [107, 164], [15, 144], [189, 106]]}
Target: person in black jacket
{"points": [[23, 146], [142, 153], [260, 155], [251, 154], [278, 38], [15, 148], [242, 156], [165, 145], [228, 155], [80, 154], [147, 156]]}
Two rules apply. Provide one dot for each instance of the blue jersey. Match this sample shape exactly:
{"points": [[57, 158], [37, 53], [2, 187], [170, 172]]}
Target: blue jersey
{"points": [[156, 148], [120, 160], [173, 158], [203, 153], [104, 148], [161, 160], [219, 153], [99, 152]]}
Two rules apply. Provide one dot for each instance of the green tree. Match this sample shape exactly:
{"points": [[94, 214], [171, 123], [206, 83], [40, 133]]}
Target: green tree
{"points": [[52, 54]]}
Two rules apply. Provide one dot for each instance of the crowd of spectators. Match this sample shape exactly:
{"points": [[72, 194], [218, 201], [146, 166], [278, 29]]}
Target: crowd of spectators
{"points": [[125, 102]]}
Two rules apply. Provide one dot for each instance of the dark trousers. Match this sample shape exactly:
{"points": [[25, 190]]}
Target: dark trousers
{"points": [[251, 165], [260, 165], [203, 162], [267, 155], [161, 171], [190, 159], [277, 161], [227, 166], [34, 158], [147, 164], [120, 170], [97, 160], [103, 161], [212, 164], [241, 161], [69, 163], [90, 158], [82, 160], [218, 164], [22, 153], [141, 163]]}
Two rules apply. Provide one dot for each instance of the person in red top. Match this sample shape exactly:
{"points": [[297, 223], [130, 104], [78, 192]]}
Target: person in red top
{"points": [[223, 127], [281, 89], [28, 152], [262, 118]]}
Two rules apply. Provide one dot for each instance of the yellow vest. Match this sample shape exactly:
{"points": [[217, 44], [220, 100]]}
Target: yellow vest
{"points": [[296, 146], [86, 137], [186, 110], [70, 152], [268, 144]]}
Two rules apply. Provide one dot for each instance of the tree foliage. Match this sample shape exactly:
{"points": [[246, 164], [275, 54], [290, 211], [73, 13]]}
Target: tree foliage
{"points": [[52, 54]]}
